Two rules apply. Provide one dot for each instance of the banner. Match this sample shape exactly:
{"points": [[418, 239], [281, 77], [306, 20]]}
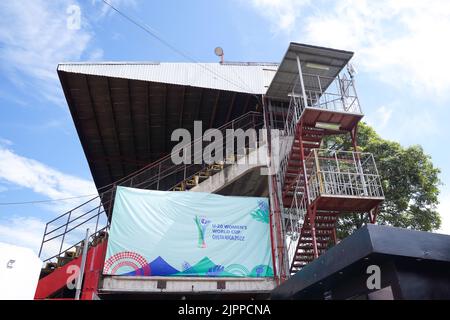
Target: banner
{"points": [[169, 233]]}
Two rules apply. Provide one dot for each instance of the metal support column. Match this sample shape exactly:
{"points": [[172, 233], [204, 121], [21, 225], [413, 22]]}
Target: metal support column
{"points": [[353, 135], [312, 223], [373, 214], [302, 83], [334, 235], [272, 197], [302, 159]]}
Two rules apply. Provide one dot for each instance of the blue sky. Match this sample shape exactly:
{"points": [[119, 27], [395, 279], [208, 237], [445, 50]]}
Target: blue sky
{"points": [[401, 57]]}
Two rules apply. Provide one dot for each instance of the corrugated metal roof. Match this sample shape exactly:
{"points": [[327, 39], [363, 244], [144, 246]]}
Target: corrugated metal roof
{"points": [[286, 76], [252, 78]]}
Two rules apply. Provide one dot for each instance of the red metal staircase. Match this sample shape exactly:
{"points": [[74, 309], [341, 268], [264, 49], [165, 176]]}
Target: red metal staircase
{"points": [[316, 186], [305, 140], [315, 238], [54, 283], [318, 231]]}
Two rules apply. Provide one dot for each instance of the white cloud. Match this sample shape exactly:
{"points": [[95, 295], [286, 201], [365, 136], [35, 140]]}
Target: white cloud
{"points": [[402, 42], [398, 121], [22, 231], [27, 232], [5, 142], [283, 13], [381, 117], [116, 3], [43, 180], [35, 37], [95, 55]]}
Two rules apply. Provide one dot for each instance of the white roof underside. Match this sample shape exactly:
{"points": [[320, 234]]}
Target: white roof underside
{"points": [[252, 78]]}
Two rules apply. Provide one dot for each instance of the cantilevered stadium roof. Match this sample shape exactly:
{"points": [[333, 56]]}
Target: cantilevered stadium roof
{"points": [[125, 112]]}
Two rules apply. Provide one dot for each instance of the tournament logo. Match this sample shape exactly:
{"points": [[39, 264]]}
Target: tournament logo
{"points": [[202, 223]]}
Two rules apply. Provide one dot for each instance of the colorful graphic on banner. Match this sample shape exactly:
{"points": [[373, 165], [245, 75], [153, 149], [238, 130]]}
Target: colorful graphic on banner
{"points": [[159, 233]]}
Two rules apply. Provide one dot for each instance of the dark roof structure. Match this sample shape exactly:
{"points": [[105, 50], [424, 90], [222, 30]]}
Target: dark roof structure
{"points": [[415, 263], [125, 113]]}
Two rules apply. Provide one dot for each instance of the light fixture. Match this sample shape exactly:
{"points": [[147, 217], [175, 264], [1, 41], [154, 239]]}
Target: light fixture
{"points": [[219, 52], [317, 66], [328, 126]]}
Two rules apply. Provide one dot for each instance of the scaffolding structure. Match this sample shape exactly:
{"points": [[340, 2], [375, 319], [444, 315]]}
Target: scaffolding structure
{"points": [[315, 185]]}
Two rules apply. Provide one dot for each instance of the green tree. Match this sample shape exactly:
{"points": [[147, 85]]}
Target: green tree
{"points": [[409, 178]]}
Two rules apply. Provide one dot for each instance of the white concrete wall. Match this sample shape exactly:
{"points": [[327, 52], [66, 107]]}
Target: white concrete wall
{"points": [[186, 284], [19, 272], [232, 173]]}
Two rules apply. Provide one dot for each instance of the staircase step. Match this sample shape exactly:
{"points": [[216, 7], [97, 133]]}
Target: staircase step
{"points": [[326, 214], [204, 174], [308, 254], [327, 220], [299, 261], [318, 240], [217, 167], [62, 261], [320, 228], [70, 254], [291, 188], [307, 228], [310, 245]]}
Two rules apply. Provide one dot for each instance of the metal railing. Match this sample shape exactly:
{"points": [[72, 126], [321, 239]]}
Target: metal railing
{"points": [[164, 174], [287, 135], [61, 232], [294, 217], [335, 94], [343, 173]]}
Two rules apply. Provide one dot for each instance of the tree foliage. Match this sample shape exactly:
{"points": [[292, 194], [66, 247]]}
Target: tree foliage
{"points": [[409, 178]]}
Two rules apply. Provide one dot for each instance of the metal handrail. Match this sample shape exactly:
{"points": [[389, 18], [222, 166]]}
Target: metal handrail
{"points": [[171, 169], [66, 213], [168, 156], [341, 89], [106, 198], [342, 173], [93, 236], [296, 217]]}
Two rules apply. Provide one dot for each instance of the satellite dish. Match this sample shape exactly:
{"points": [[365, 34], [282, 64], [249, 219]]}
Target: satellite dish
{"points": [[219, 52]]}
